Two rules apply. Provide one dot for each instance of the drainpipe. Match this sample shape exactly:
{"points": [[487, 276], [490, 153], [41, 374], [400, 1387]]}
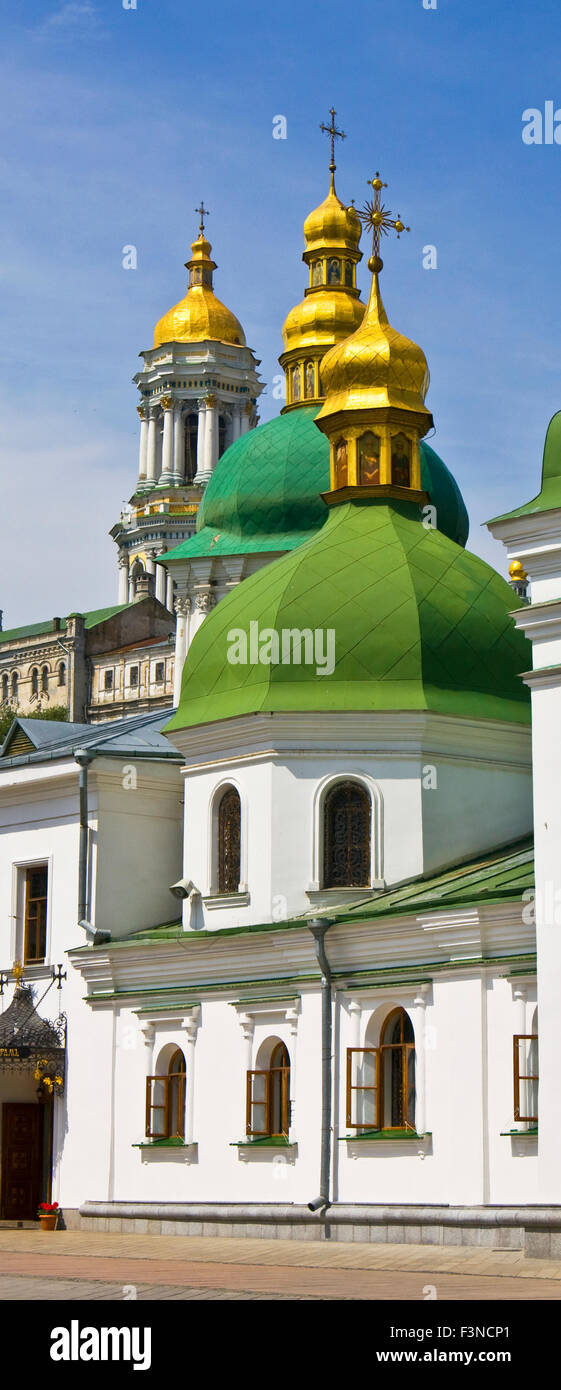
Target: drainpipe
{"points": [[83, 759], [318, 927]]}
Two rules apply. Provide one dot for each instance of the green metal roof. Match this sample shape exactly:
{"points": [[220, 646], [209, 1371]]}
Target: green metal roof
{"points": [[92, 619], [419, 624], [549, 498], [264, 494], [502, 875]]}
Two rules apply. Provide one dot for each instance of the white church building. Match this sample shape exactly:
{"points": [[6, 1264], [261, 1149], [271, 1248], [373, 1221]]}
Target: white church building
{"points": [[329, 1025]]}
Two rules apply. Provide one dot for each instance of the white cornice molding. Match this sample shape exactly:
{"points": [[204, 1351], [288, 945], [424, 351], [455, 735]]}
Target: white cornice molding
{"points": [[411, 942], [332, 735]]}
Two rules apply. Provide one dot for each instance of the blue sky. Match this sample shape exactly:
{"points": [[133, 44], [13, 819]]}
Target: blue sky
{"points": [[116, 122]]}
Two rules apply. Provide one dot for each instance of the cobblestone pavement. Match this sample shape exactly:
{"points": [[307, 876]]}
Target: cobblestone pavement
{"points": [[92, 1266]]}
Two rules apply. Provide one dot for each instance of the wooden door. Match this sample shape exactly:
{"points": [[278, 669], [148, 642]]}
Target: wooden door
{"points": [[22, 1132]]}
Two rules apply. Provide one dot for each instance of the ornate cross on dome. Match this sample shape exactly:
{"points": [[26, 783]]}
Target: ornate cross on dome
{"points": [[203, 212], [376, 215], [334, 135], [17, 973]]}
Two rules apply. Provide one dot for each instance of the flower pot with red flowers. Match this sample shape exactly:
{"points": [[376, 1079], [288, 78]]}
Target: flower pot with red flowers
{"points": [[48, 1215]]}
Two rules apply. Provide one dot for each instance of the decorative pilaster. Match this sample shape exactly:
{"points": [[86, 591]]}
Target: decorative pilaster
{"points": [[148, 1033], [182, 609], [152, 449], [123, 576], [167, 447], [190, 1025], [236, 425], [143, 451], [419, 1024], [248, 1029], [247, 412]]}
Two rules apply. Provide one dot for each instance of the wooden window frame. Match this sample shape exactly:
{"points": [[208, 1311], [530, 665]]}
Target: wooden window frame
{"points": [[266, 1102], [518, 1076], [352, 1124], [166, 1079], [406, 1050], [37, 926]]}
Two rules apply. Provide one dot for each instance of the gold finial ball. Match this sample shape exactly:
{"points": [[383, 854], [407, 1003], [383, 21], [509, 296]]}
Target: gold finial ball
{"points": [[377, 182], [375, 264], [399, 226], [517, 572]]}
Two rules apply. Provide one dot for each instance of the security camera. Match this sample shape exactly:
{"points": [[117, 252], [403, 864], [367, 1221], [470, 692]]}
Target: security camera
{"points": [[184, 888]]}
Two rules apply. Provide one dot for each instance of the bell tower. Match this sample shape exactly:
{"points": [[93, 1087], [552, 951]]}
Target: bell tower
{"points": [[198, 389]]}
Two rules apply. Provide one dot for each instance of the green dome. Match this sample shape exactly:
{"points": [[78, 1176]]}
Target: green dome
{"points": [[265, 492], [420, 624]]}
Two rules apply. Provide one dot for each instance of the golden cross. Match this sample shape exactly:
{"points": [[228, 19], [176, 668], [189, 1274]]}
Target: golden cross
{"points": [[334, 135], [379, 218], [203, 212], [17, 972]]}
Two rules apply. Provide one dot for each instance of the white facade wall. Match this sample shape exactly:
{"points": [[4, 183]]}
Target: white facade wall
{"points": [[470, 1020], [442, 791]]}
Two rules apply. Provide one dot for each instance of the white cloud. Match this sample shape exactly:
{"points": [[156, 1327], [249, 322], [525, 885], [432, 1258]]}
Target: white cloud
{"points": [[75, 14]]}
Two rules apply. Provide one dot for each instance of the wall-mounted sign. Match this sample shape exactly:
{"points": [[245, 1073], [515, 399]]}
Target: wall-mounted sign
{"points": [[14, 1054]]}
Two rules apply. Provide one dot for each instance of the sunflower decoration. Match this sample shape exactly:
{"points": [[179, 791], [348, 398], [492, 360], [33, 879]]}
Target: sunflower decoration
{"points": [[375, 215]]}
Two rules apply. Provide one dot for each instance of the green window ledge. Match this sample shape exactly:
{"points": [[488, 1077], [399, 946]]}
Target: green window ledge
{"points": [[270, 1142], [377, 1135], [519, 1133], [163, 1144]]}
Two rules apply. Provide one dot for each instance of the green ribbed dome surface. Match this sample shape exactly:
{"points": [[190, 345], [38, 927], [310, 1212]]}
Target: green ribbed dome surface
{"points": [[264, 494], [420, 624]]}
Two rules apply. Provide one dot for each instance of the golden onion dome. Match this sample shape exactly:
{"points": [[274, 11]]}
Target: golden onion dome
{"points": [[517, 572], [376, 366], [332, 224], [321, 319], [200, 315], [331, 308]]}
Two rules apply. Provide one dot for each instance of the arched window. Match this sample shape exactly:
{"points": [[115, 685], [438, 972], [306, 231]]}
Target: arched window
{"points": [[15, 685], [348, 272], [62, 673], [346, 836], [310, 380], [5, 689], [45, 680], [381, 1080], [369, 446], [34, 681], [165, 1100], [296, 384], [317, 273], [333, 271], [397, 1072], [229, 841], [268, 1096], [401, 460]]}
